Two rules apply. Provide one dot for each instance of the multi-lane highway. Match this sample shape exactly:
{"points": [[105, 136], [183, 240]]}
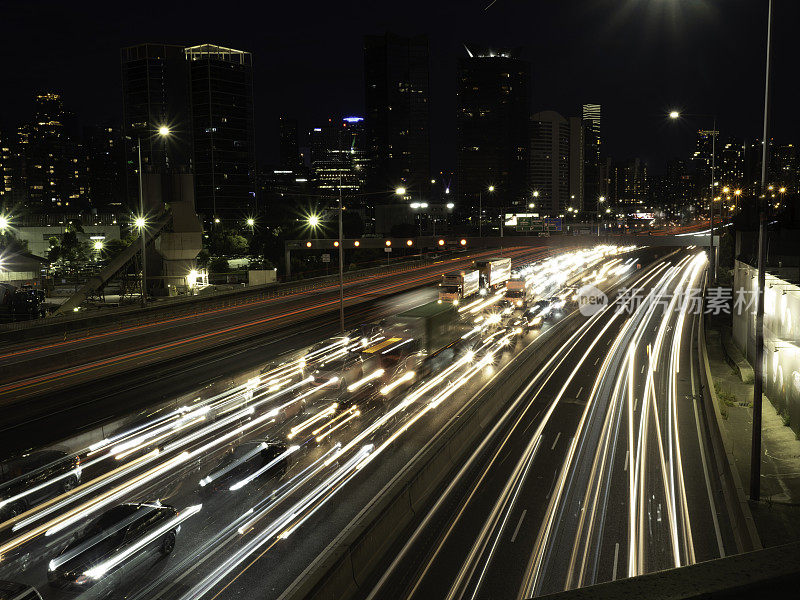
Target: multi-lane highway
{"points": [[66, 385], [602, 469], [265, 474]]}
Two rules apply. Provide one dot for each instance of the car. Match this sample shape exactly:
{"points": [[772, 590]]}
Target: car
{"points": [[11, 590], [113, 547], [254, 459], [347, 369], [32, 478]]}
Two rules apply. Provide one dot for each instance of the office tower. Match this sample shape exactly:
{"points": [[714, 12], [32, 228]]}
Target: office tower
{"points": [[288, 149], [785, 167], [705, 147], [398, 121], [104, 161], [593, 172], [730, 163], [549, 161], [221, 92], [492, 127], [629, 183], [339, 159], [52, 162], [577, 165], [155, 93]]}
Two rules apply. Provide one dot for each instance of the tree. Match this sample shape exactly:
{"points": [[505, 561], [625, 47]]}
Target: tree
{"points": [[218, 265], [11, 243]]}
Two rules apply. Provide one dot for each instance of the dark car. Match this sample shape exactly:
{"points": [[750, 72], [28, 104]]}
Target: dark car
{"points": [[30, 479], [347, 369], [11, 590], [113, 546], [248, 461]]}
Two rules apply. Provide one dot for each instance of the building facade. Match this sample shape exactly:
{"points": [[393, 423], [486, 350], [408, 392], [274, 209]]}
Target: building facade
{"points": [[397, 100], [223, 134], [593, 187], [549, 161], [494, 100]]}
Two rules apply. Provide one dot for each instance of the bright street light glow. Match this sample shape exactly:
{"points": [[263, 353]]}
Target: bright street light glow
{"points": [[139, 222], [491, 188], [450, 205], [313, 221], [535, 194], [602, 198], [3, 222], [400, 191], [674, 114], [98, 245], [163, 130], [251, 222]]}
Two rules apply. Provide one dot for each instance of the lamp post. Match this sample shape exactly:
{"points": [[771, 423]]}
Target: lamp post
{"points": [[675, 115], [341, 261], [141, 223], [758, 384]]}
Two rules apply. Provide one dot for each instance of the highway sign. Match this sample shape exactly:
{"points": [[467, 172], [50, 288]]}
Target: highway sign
{"points": [[326, 258]]}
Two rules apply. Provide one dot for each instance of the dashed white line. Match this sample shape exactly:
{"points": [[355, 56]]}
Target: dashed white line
{"points": [[578, 395], [553, 447], [519, 524], [616, 561], [627, 454]]}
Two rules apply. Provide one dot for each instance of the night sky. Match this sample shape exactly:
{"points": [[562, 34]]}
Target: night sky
{"points": [[638, 58]]}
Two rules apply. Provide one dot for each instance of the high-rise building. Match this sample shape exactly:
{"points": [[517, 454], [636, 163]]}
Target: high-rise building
{"points": [[52, 164], [593, 172], [339, 158], [577, 166], [155, 93], [224, 158], [494, 99], [629, 183], [104, 157], [730, 163], [549, 161], [396, 77], [705, 148], [289, 148]]}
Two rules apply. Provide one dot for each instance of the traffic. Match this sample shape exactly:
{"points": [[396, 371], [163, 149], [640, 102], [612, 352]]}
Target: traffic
{"points": [[180, 502]]}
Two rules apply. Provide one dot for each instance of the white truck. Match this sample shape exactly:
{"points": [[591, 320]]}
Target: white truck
{"points": [[517, 292], [494, 272], [458, 285]]}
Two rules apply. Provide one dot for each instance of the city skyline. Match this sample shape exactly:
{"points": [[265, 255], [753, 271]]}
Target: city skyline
{"points": [[726, 76]]}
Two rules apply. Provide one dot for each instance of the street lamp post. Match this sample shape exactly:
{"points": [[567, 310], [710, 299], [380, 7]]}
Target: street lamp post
{"points": [[711, 250], [341, 262], [758, 384], [141, 223]]}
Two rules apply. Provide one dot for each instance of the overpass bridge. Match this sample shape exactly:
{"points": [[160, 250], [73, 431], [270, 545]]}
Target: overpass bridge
{"points": [[451, 242]]}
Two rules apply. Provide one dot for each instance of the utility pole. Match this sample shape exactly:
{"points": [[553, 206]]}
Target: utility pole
{"points": [[758, 367], [341, 263], [711, 249], [143, 228]]}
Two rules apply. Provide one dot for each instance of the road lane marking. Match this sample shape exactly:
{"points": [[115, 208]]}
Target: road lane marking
{"points": [[627, 455], [553, 447], [616, 561], [578, 395], [519, 524], [596, 360], [642, 371]]}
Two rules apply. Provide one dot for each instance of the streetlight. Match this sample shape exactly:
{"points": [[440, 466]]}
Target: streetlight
{"points": [[251, 222], [313, 221], [400, 191], [480, 210], [758, 366], [98, 245], [163, 131], [3, 223], [674, 115]]}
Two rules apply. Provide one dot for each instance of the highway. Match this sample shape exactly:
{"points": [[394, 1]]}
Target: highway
{"points": [[30, 369], [342, 440], [65, 385], [601, 470]]}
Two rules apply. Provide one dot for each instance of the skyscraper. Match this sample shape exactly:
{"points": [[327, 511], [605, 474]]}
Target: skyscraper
{"points": [[155, 93], [289, 149], [549, 161], [593, 186], [221, 88], [577, 166], [493, 114], [104, 161], [52, 165], [397, 102]]}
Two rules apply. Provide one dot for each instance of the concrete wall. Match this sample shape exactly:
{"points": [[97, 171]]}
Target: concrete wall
{"points": [[781, 335]]}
